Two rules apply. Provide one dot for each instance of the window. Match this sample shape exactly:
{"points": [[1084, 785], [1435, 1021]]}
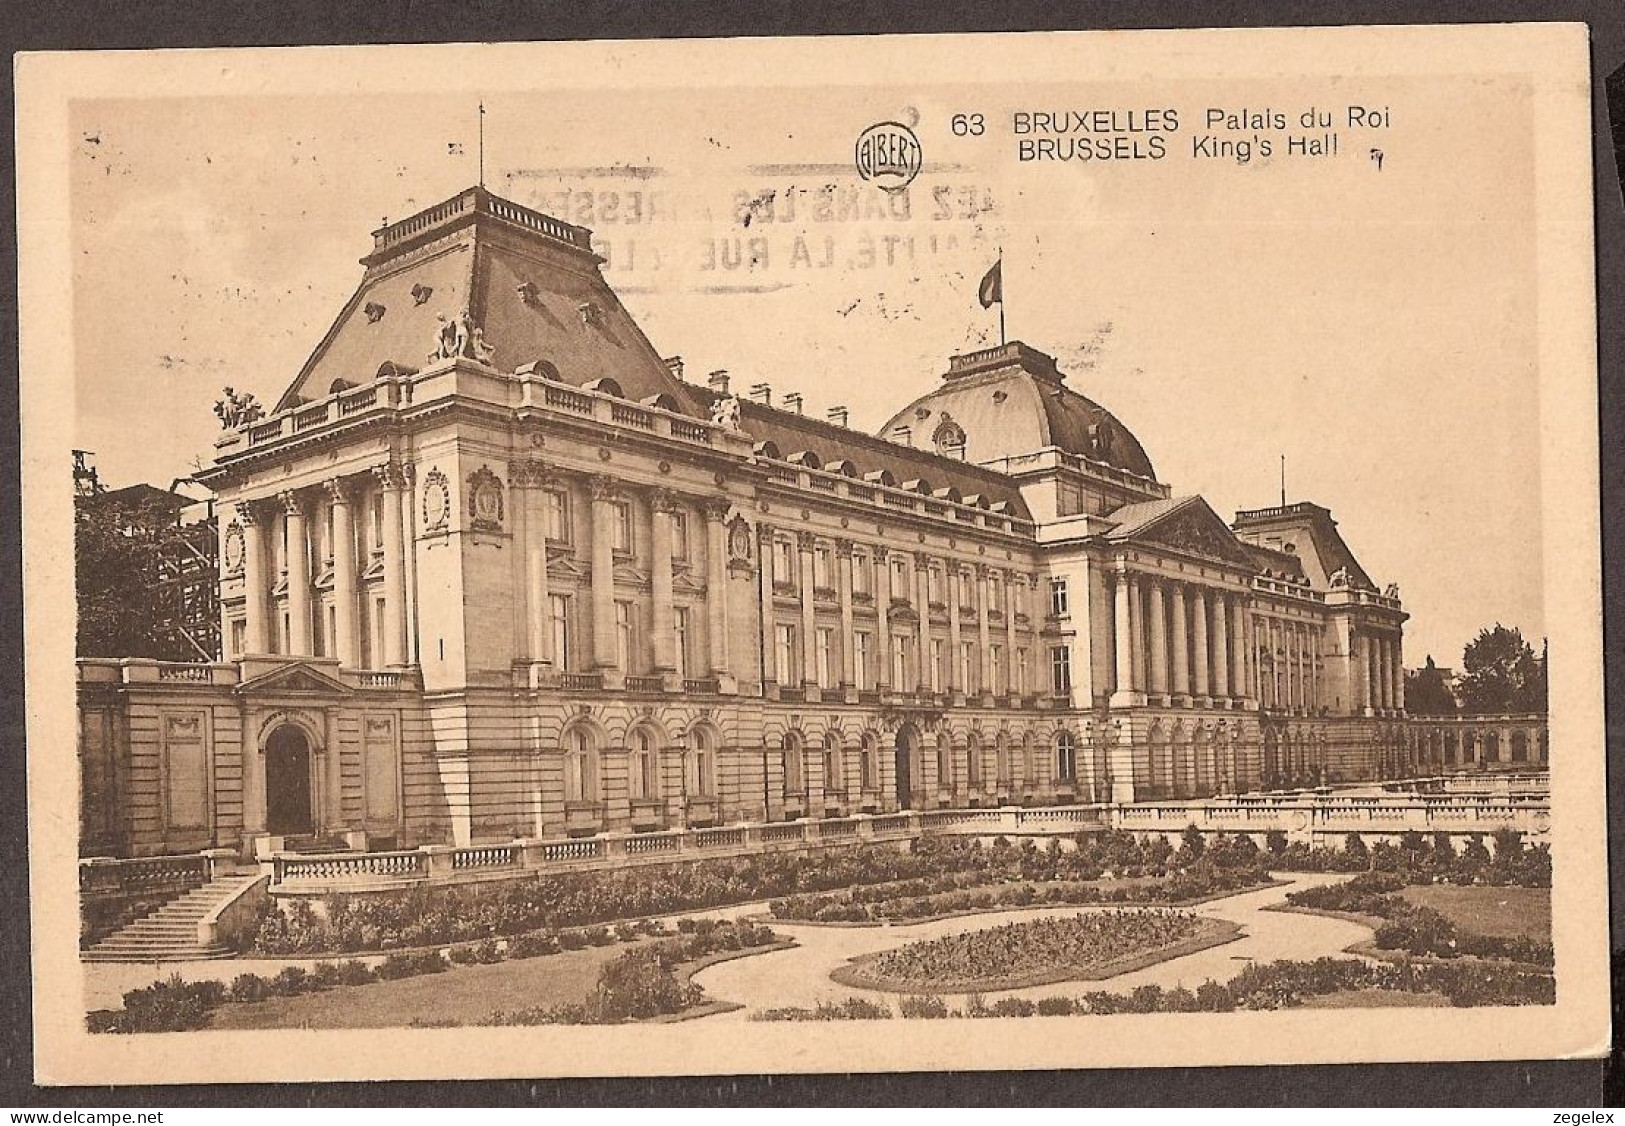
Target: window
{"points": [[868, 776], [1059, 602], [625, 635], [679, 534], [580, 767], [967, 665], [377, 523], [834, 782], [1066, 757], [933, 583], [784, 562], [239, 636], [1060, 670], [860, 661], [623, 527], [787, 654], [794, 780], [328, 538], [327, 640], [377, 633], [995, 670], [287, 628], [559, 605], [679, 628], [863, 577], [699, 775], [995, 591], [945, 763], [1022, 672], [558, 516], [937, 664], [823, 571], [899, 662], [825, 646], [899, 578], [645, 766]]}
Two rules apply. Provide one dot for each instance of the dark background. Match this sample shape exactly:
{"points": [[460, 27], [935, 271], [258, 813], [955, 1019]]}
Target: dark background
{"points": [[155, 23]]}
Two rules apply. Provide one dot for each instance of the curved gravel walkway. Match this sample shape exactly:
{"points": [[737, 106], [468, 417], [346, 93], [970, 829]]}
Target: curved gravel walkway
{"points": [[799, 976]]}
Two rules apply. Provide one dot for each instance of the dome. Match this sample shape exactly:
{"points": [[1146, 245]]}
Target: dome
{"points": [[1012, 400]]}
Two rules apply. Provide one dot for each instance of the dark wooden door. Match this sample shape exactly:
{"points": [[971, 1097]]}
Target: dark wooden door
{"points": [[287, 783]]}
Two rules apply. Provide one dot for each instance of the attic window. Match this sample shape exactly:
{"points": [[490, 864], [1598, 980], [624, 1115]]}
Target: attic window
{"points": [[374, 312], [528, 293], [590, 312], [1000, 396], [421, 293], [606, 386]]}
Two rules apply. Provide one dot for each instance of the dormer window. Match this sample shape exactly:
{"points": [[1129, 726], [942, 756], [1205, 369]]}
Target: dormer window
{"points": [[374, 312]]}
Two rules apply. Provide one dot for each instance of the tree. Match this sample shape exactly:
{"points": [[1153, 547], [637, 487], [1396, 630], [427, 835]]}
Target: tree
{"points": [[1501, 674], [116, 547], [1427, 693]]}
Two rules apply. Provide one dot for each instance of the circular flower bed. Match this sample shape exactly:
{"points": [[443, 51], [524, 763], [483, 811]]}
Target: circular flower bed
{"points": [[1082, 947]]}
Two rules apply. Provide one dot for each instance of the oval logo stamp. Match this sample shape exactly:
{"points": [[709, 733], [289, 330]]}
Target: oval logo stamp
{"points": [[888, 155]]}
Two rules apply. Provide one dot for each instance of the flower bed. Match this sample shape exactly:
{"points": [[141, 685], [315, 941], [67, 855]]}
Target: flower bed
{"points": [[1086, 946], [1275, 985], [1423, 860]]}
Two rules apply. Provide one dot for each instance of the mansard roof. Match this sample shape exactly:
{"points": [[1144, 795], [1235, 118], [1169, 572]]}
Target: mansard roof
{"points": [[792, 433], [530, 283], [1013, 400], [1313, 536]]}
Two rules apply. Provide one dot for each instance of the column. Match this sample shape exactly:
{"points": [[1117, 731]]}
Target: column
{"points": [[1157, 639], [604, 517], [1384, 684], [1182, 672], [1123, 636], [347, 645], [843, 583], [1399, 673], [1221, 648], [256, 594], [882, 658], [809, 651], [1200, 668], [1359, 667], [955, 637], [765, 580], [518, 563], [716, 585], [409, 565], [394, 646], [984, 628], [1010, 633], [540, 621], [1238, 648], [661, 505], [298, 575], [922, 606]]}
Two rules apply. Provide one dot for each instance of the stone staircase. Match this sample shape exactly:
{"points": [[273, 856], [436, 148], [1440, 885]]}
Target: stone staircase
{"points": [[169, 934]]}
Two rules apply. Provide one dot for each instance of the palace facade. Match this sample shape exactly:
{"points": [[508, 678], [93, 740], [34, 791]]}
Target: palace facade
{"points": [[492, 568]]}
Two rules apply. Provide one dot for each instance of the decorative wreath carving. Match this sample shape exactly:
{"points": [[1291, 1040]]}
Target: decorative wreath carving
{"points": [[436, 501], [235, 548], [485, 507]]}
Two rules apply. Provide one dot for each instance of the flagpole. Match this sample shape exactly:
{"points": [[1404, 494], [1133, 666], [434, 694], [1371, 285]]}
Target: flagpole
{"points": [[1002, 340], [482, 144]]}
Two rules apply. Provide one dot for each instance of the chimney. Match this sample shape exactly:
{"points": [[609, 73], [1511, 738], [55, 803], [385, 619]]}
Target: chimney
{"points": [[792, 401], [837, 415], [762, 393], [718, 382], [903, 435], [674, 364]]}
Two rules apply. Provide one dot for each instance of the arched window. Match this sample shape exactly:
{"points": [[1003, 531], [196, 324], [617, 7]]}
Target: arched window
{"points": [[580, 766], [699, 768], [973, 760], [945, 761], [794, 778], [1066, 757], [644, 768], [834, 776], [868, 762]]}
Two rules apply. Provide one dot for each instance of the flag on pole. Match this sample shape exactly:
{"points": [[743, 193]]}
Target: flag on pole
{"points": [[992, 287]]}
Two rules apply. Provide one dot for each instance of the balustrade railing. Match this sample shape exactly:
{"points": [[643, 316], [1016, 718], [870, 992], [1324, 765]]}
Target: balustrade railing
{"points": [[345, 867], [107, 876]]}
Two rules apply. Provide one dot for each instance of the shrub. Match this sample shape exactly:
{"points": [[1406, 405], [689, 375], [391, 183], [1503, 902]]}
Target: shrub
{"points": [[249, 988], [1275, 842], [292, 981], [534, 944], [353, 972], [929, 1007], [1013, 1007], [1056, 1007]]}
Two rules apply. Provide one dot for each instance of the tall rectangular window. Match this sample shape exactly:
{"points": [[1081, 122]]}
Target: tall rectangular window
{"points": [[860, 662], [933, 583], [995, 591], [679, 626], [378, 522], [558, 515], [825, 649], [1059, 602], [823, 572], [863, 576], [623, 527], [784, 562], [1023, 672], [899, 663], [937, 667], [559, 606], [1060, 663], [679, 535], [899, 579], [625, 642], [239, 636], [787, 654], [995, 669], [967, 665]]}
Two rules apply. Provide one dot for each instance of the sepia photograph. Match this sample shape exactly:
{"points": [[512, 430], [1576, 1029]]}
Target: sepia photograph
{"points": [[698, 557]]}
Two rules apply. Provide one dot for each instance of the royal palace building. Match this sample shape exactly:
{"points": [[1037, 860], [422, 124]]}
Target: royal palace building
{"points": [[492, 568]]}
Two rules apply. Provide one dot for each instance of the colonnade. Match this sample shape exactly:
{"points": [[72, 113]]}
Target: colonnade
{"points": [[1291, 660], [1378, 672], [1178, 640]]}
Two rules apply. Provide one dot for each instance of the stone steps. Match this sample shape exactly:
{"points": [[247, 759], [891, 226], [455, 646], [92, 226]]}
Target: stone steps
{"points": [[169, 934]]}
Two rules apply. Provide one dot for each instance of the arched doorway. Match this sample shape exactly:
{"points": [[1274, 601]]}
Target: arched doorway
{"points": [[287, 783], [906, 743]]}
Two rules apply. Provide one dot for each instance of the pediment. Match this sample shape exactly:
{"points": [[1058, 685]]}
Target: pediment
{"points": [[1193, 529], [630, 575], [685, 582], [296, 678], [564, 566]]}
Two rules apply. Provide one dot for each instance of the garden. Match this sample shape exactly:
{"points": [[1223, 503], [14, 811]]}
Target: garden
{"points": [[1085, 946]]}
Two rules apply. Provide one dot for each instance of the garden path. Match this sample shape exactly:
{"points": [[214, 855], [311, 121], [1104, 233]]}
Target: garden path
{"points": [[799, 976]]}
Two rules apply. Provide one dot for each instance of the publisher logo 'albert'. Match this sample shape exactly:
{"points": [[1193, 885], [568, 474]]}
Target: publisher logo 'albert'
{"points": [[888, 155]]}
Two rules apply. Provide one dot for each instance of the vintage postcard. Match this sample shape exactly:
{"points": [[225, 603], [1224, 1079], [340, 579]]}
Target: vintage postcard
{"points": [[850, 554]]}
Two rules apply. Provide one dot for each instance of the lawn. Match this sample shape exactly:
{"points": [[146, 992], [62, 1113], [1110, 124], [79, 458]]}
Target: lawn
{"points": [[460, 995], [1500, 912], [1375, 999]]}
